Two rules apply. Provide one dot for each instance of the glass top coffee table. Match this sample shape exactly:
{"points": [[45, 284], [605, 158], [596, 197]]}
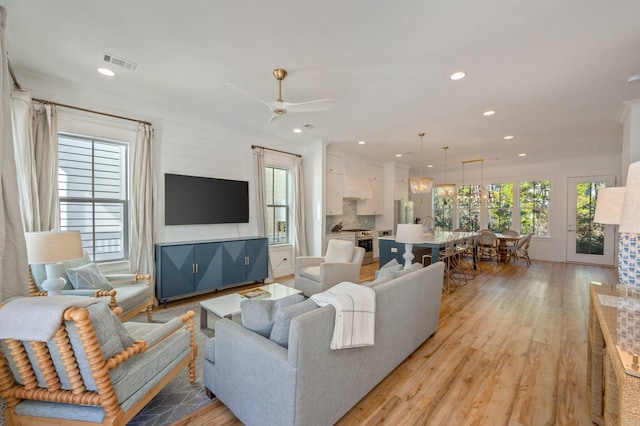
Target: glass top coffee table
{"points": [[229, 305]]}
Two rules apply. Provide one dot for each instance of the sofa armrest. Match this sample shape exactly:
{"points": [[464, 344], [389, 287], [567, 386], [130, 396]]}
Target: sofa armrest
{"points": [[128, 279], [307, 261]]}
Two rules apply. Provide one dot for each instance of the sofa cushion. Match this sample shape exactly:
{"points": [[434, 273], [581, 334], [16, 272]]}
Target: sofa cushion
{"points": [[125, 339], [282, 323], [88, 277], [339, 251], [310, 272], [413, 267], [259, 315], [210, 349], [130, 296]]}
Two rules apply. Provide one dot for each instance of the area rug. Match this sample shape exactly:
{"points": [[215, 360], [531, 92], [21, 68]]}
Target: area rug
{"points": [[179, 398]]}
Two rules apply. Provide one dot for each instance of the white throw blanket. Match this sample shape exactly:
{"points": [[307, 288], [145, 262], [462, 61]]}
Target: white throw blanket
{"points": [[37, 318], [355, 314]]}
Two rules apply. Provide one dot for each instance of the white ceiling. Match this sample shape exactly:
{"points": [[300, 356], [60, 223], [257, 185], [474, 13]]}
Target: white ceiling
{"points": [[555, 71]]}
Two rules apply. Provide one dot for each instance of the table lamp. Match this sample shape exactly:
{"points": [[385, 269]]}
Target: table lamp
{"points": [[629, 255], [50, 248], [409, 234]]}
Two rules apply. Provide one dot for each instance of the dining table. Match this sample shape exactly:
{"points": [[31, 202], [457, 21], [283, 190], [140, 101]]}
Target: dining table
{"points": [[502, 243]]}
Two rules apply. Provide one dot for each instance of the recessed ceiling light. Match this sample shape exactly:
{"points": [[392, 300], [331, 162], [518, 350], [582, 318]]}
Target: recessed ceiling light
{"points": [[297, 130], [508, 137], [458, 75], [362, 142], [107, 72], [522, 155], [430, 165], [398, 155], [490, 112]]}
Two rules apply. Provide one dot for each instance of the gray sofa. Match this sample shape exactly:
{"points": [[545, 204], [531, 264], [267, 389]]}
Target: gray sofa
{"points": [[264, 383]]}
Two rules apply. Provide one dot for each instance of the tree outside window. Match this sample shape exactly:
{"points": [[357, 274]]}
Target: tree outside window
{"points": [[278, 202], [469, 203], [590, 236], [534, 207], [499, 206], [442, 212]]}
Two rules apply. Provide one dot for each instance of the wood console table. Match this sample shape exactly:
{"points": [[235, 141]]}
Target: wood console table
{"points": [[613, 374]]}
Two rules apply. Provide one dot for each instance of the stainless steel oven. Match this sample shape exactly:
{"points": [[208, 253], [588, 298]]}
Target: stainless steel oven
{"points": [[364, 239]]}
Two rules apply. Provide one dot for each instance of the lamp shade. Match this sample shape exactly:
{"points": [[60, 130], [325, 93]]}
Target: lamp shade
{"points": [[630, 219], [51, 246], [421, 185], [609, 205], [409, 233]]}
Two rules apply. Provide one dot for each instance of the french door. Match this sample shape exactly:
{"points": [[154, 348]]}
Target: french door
{"points": [[588, 242]]}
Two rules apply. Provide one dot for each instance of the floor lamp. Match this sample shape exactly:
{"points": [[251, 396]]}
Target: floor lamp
{"points": [[409, 234], [629, 254], [51, 248]]}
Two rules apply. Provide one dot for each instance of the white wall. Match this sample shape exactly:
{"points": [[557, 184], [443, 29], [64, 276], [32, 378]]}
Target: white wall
{"points": [[190, 146]]}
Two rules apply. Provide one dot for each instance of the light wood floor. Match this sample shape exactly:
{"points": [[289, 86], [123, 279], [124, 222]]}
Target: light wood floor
{"points": [[511, 349]]}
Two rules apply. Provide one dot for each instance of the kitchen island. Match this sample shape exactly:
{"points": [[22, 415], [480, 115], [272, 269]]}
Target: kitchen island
{"points": [[436, 240]]}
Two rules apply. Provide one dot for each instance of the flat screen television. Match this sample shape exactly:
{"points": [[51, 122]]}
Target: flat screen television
{"points": [[190, 200]]}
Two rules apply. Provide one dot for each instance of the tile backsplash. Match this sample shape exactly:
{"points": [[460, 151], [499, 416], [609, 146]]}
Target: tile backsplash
{"points": [[349, 218]]}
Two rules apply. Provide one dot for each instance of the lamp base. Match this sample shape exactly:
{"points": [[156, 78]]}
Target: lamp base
{"points": [[408, 254], [629, 259], [53, 286]]}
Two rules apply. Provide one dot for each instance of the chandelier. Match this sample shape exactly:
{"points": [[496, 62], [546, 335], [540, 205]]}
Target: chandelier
{"points": [[421, 185], [446, 189]]}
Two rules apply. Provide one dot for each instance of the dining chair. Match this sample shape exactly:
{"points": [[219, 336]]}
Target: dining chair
{"points": [[520, 250], [487, 245]]}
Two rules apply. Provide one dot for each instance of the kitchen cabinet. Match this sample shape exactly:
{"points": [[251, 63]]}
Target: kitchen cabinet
{"points": [[375, 172], [334, 192], [185, 269], [401, 184], [374, 205], [335, 164]]}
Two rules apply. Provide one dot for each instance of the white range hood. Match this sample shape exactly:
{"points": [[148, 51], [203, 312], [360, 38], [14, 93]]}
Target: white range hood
{"points": [[356, 184]]}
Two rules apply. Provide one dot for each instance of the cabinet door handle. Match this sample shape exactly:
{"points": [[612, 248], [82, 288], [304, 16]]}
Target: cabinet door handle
{"points": [[196, 268], [193, 268], [246, 260]]}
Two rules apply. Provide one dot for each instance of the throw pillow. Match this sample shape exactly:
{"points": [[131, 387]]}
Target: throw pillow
{"points": [[393, 264], [282, 323], [88, 277], [259, 315], [405, 271]]}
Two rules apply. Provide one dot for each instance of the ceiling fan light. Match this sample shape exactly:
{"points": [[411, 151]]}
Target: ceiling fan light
{"points": [[421, 185]]}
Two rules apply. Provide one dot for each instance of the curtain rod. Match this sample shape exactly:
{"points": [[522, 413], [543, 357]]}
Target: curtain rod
{"points": [[276, 150], [44, 101]]}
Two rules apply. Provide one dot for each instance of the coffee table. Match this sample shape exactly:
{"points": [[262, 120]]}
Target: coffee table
{"points": [[229, 305]]}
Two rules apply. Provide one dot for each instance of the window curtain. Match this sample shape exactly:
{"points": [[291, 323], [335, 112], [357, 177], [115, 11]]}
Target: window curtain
{"points": [[141, 252], [13, 251], [300, 247], [261, 199], [35, 131]]}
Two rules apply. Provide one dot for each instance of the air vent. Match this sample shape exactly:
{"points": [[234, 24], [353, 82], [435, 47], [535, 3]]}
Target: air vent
{"points": [[124, 63], [309, 126]]}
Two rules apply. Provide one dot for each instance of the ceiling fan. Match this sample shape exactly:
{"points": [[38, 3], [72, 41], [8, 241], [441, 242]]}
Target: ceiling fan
{"points": [[279, 107]]}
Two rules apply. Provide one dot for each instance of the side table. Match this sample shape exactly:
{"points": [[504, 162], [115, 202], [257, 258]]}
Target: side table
{"points": [[613, 378]]}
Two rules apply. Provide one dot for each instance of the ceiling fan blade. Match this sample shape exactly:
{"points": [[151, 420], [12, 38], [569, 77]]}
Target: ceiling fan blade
{"points": [[233, 86], [311, 106], [274, 118]]}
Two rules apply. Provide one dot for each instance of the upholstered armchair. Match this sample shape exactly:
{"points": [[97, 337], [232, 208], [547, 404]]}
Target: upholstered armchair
{"points": [[131, 292], [68, 360], [342, 262]]}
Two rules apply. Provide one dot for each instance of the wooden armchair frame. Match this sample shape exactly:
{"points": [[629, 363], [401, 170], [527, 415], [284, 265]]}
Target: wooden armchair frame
{"points": [[105, 396], [147, 306]]}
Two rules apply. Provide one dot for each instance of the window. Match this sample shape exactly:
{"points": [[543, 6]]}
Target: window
{"points": [[534, 207], [94, 196], [499, 206], [469, 202], [278, 202], [589, 235], [442, 212]]}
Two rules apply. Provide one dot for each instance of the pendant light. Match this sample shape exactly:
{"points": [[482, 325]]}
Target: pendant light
{"points": [[445, 189], [421, 185]]}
